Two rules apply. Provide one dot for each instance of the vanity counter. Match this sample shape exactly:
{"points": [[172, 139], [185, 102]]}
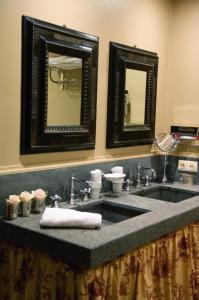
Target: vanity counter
{"points": [[85, 248]]}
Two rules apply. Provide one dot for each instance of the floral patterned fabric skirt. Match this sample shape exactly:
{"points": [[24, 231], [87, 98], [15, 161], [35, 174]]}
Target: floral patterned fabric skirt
{"points": [[166, 269]]}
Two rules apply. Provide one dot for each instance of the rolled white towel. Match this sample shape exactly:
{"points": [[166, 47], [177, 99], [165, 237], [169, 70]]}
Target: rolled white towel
{"points": [[96, 175], [117, 169], [61, 217], [95, 184]]}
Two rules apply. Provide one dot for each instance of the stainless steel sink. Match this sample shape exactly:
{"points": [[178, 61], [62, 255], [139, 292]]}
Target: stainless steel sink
{"points": [[165, 193], [111, 212]]}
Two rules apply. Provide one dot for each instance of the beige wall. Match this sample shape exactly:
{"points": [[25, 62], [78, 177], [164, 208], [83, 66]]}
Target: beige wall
{"points": [[183, 78], [141, 22], [182, 93]]}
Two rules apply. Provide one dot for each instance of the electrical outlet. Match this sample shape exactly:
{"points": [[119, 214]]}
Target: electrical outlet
{"points": [[188, 165]]}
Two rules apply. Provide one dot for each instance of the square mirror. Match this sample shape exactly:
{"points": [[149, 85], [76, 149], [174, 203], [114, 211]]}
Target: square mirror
{"points": [[131, 96], [59, 88]]}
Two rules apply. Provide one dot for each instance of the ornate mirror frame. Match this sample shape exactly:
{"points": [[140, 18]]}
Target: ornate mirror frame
{"points": [[38, 39], [122, 57]]}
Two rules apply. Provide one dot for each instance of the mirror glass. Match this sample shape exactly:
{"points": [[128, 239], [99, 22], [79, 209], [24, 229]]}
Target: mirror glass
{"points": [[165, 142], [64, 90], [135, 96]]}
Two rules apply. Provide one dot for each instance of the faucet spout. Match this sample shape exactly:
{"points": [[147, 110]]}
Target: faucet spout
{"points": [[153, 173], [72, 193], [72, 190], [138, 177]]}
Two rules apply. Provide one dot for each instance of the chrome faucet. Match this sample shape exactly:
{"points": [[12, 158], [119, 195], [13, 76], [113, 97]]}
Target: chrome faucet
{"points": [[72, 192], [146, 177], [128, 184], [138, 186], [55, 200], [153, 172], [146, 180], [85, 192]]}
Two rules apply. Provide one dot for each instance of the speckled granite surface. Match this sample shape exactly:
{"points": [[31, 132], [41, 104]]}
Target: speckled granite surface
{"points": [[57, 181], [87, 248]]}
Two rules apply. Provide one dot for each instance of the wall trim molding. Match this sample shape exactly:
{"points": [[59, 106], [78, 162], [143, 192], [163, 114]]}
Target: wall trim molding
{"points": [[19, 168]]}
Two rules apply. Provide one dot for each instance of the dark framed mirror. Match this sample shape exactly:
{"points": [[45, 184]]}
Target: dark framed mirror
{"points": [[59, 88], [131, 96]]}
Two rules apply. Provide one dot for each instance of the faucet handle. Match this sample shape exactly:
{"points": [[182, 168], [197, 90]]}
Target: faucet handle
{"points": [[55, 200], [154, 175], [128, 183], [147, 178], [85, 193]]}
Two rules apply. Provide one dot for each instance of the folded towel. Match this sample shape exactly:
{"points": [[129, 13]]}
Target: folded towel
{"points": [[61, 217], [117, 169]]}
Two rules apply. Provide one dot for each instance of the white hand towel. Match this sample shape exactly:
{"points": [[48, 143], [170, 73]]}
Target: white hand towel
{"points": [[96, 175], [61, 217], [117, 169]]}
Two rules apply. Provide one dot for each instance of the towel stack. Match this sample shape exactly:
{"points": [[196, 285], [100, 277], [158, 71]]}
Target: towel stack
{"points": [[95, 183], [96, 175], [61, 217]]}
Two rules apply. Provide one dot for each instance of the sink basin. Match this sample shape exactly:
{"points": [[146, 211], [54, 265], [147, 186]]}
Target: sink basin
{"points": [[166, 194], [111, 213]]}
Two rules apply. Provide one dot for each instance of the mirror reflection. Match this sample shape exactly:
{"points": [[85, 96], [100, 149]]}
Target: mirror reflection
{"points": [[135, 97], [64, 90]]}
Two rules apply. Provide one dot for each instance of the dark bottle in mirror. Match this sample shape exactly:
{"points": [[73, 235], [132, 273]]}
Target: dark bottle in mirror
{"points": [[131, 96], [59, 88]]}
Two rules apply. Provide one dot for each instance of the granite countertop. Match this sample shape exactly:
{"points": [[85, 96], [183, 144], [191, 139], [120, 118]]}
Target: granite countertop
{"points": [[84, 248]]}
